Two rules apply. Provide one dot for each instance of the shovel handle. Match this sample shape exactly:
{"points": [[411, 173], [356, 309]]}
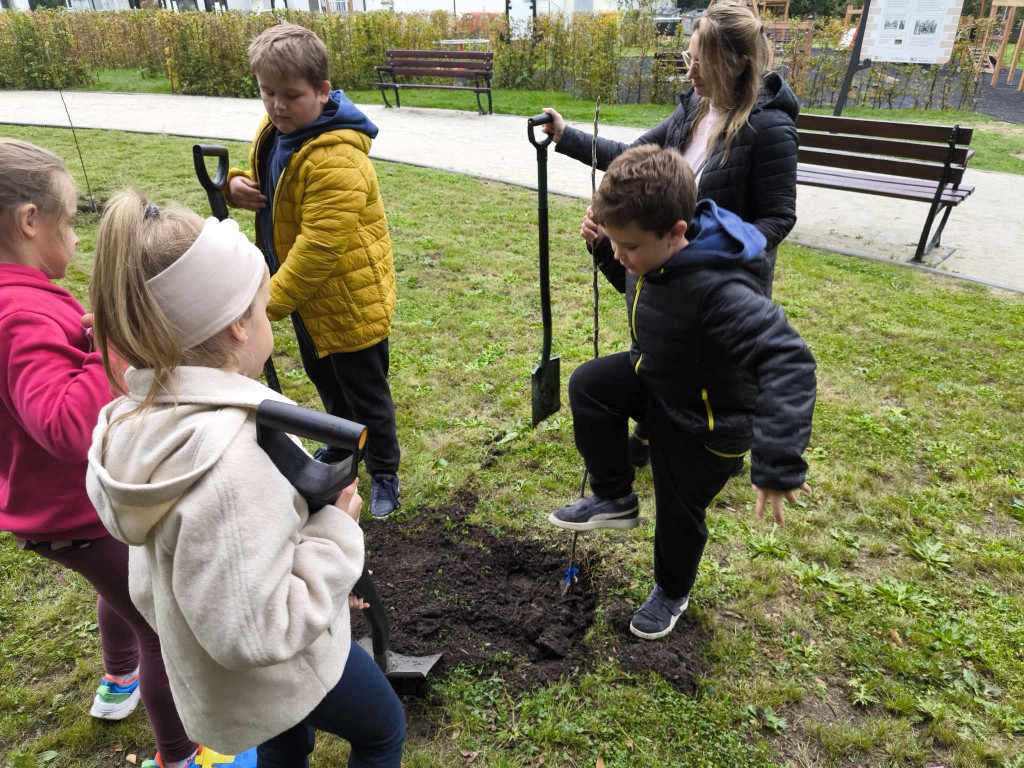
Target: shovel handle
{"points": [[542, 119], [376, 617], [214, 187]]}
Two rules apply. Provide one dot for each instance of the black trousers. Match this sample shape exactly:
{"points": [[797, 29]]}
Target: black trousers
{"points": [[354, 386], [604, 394]]}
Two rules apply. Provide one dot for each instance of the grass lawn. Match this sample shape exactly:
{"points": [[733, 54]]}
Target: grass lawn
{"points": [[881, 626], [999, 145]]}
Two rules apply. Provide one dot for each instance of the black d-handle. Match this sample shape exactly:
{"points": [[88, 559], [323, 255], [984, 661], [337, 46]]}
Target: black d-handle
{"points": [[542, 119], [317, 482], [214, 187]]}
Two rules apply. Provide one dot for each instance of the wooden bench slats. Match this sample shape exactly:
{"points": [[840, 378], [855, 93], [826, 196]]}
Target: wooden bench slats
{"points": [[483, 66], [914, 169], [881, 128], [869, 145], [873, 185], [431, 85], [424, 72], [454, 65], [481, 55]]}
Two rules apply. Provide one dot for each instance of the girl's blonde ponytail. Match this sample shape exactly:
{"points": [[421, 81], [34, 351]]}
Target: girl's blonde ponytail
{"points": [[137, 241]]}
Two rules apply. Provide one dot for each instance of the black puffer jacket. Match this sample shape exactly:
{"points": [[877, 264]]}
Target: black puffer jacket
{"points": [[717, 356], [757, 183]]}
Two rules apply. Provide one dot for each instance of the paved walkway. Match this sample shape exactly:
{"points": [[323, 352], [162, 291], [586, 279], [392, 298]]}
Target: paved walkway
{"points": [[985, 235]]}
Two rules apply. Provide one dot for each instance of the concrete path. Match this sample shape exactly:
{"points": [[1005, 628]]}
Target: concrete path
{"points": [[984, 238]]}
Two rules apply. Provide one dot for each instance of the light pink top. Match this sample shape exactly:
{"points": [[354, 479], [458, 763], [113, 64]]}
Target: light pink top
{"points": [[696, 149]]}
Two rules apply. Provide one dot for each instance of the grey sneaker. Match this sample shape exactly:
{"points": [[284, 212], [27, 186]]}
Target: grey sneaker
{"points": [[594, 512], [658, 615], [383, 495]]}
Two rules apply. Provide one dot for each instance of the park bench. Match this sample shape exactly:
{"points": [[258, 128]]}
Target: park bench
{"points": [[458, 65], [907, 161]]}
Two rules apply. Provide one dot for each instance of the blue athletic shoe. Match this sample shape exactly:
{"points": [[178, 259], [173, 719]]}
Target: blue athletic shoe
{"points": [[658, 615], [384, 495], [594, 512], [114, 700]]}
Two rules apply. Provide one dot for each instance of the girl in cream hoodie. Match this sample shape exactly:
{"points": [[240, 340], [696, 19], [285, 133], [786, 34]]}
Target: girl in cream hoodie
{"points": [[249, 592]]}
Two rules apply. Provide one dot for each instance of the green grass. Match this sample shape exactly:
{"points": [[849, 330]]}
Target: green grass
{"points": [[881, 626], [128, 81]]}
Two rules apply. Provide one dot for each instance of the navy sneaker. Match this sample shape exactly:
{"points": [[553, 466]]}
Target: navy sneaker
{"points": [[594, 512], [383, 495], [639, 451], [658, 615], [330, 455]]}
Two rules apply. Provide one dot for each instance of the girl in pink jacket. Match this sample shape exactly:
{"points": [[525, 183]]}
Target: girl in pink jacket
{"points": [[52, 387]]}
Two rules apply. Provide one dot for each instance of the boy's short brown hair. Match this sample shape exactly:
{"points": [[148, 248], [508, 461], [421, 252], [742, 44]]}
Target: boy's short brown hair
{"points": [[290, 50], [647, 186]]}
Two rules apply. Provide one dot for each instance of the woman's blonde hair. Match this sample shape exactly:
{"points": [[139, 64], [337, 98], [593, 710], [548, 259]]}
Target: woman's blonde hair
{"points": [[137, 241], [31, 174], [734, 56]]}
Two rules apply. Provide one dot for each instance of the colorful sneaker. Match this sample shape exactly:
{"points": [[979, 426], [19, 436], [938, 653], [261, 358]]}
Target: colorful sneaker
{"points": [[207, 758], [114, 700], [658, 615], [592, 512], [384, 495]]}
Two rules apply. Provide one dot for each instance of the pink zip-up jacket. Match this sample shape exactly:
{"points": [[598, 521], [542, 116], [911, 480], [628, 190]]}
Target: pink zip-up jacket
{"points": [[52, 388]]}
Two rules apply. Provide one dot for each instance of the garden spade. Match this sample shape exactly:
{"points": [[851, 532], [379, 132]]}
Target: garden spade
{"points": [[319, 484], [545, 383]]}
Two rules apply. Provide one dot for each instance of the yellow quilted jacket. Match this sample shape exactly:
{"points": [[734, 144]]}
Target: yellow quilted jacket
{"points": [[332, 242]]}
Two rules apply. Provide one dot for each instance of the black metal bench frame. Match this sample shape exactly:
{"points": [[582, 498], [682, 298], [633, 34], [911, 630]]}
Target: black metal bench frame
{"points": [[908, 161], [475, 65]]}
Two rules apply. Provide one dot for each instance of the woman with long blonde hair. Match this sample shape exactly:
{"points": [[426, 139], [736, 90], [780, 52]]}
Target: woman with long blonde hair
{"points": [[736, 127]]}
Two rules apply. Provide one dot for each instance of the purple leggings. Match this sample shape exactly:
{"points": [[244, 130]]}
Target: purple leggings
{"points": [[126, 639]]}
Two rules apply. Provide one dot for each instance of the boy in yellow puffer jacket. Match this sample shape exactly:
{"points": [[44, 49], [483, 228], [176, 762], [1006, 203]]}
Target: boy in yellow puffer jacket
{"points": [[320, 222]]}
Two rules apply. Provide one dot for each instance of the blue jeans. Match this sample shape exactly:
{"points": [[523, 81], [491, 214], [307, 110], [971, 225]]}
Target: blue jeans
{"points": [[362, 709]]}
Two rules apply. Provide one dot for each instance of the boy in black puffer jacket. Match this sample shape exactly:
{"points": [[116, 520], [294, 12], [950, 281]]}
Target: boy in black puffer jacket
{"points": [[714, 369]]}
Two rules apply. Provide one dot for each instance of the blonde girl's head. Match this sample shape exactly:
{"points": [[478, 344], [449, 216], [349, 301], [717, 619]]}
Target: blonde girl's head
{"points": [[730, 55], [137, 241], [37, 208]]}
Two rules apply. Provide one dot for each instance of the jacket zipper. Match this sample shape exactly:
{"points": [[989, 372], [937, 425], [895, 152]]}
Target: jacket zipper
{"points": [[707, 407], [636, 299]]}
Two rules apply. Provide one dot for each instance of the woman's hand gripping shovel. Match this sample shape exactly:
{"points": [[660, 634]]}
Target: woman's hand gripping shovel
{"points": [[318, 483]]}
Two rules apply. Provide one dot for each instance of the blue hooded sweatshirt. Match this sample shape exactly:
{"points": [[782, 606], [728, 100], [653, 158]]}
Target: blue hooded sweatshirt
{"points": [[338, 113], [720, 238]]}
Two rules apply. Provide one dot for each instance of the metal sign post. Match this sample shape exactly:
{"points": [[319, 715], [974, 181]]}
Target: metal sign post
{"points": [[856, 65]]}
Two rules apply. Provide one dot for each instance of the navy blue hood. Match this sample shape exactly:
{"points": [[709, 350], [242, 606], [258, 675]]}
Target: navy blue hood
{"points": [[338, 113], [718, 238]]}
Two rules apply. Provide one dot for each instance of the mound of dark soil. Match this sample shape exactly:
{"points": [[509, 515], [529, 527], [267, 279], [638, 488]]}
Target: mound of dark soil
{"points": [[493, 601]]}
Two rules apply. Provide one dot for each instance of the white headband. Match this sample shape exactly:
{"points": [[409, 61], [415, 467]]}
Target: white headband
{"points": [[211, 285]]}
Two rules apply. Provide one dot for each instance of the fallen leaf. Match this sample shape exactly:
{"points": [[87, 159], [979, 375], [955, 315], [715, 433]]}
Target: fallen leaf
{"points": [[540, 760], [629, 743], [896, 637], [131, 758], [48, 756], [600, 762], [470, 756], [820, 682]]}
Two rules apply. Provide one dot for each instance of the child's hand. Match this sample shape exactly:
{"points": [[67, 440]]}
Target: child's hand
{"points": [[246, 193], [357, 603], [589, 230], [774, 500], [349, 501], [86, 320]]}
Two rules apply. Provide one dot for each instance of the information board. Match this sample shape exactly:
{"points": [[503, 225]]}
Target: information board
{"points": [[911, 31]]}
